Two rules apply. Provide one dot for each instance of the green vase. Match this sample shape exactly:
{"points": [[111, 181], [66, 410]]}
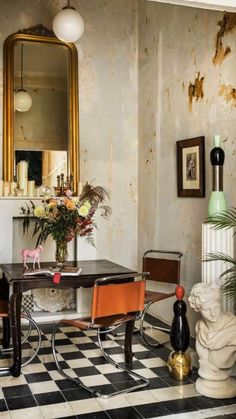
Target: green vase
{"points": [[61, 252], [217, 202]]}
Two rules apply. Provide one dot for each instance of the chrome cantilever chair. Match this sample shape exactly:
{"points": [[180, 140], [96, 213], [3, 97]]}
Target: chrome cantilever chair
{"points": [[163, 266], [25, 314], [113, 304]]}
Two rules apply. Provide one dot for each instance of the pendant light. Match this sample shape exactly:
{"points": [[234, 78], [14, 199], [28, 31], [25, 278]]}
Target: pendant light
{"points": [[23, 100], [68, 24]]}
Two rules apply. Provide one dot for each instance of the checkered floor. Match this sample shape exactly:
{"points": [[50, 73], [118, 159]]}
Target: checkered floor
{"points": [[41, 392]]}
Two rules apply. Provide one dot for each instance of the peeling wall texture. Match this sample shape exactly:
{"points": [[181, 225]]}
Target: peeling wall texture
{"points": [[139, 64], [195, 90], [182, 73], [227, 25]]}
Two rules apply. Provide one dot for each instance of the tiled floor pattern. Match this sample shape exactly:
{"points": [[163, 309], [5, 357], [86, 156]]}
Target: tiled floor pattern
{"points": [[41, 392]]}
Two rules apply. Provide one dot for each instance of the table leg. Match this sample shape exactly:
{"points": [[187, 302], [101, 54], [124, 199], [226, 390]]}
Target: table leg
{"points": [[15, 320], [6, 332], [4, 292], [128, 341]]}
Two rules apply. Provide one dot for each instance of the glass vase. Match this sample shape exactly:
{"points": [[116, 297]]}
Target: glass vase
{"points": [[61, 252]]}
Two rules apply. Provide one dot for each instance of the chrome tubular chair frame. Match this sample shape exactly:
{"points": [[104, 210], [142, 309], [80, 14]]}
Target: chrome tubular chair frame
{"points": [[27, 312], [141, 381], [142, 329], [32, 322], [27, 316]]}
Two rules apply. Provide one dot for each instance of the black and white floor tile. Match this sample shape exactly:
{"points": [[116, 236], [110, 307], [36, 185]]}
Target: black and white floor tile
{"points": [[41, 392]]}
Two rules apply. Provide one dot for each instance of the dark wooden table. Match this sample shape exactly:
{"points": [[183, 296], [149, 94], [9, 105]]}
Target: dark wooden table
{"points": [[13, 277]]}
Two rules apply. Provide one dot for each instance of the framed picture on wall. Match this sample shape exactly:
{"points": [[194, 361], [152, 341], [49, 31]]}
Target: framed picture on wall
{"points": [[191, 167]]}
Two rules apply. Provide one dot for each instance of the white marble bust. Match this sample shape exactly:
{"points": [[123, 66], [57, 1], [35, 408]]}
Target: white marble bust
{"points": [[215, 342]]}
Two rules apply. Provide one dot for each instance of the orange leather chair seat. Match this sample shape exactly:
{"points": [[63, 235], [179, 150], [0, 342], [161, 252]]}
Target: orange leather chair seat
{"points": [[109, 321]]}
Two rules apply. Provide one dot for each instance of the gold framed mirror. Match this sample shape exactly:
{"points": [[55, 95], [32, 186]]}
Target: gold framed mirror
{"points": [[50, 128]]}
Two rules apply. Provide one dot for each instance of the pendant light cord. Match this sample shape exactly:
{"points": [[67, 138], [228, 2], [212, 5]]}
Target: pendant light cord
{"points": [[68, 6], [21, 68]]}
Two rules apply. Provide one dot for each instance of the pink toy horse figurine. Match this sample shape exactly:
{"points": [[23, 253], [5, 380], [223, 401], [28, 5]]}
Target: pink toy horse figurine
{"points": [[34, 254]]}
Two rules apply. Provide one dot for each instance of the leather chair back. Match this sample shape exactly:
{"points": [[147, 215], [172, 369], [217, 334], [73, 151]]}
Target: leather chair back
{"points": [[113, 299]]}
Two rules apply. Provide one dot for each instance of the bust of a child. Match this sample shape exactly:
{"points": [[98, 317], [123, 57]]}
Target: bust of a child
{"points": [[215, 342]]}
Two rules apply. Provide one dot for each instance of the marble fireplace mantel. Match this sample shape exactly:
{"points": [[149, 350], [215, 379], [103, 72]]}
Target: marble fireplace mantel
{"points": [[9, 208], [12, 241]]}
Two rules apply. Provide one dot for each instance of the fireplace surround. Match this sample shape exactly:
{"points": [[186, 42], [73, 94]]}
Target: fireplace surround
{"points": [[13, 241]]}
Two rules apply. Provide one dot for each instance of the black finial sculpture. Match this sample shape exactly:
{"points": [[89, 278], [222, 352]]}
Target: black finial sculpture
{"points": [[179, 362]]}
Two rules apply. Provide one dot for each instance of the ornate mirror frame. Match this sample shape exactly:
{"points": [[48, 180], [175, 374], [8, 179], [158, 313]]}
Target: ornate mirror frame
{"points": [[40, 35]]}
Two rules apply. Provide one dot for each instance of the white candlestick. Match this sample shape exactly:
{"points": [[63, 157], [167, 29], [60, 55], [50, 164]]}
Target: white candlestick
{"points": [[31, 188], [80, 187], [37, 192], [19, 192], [13, 188], [22, 175], [1, 187], [25, 190], [6, 189]]}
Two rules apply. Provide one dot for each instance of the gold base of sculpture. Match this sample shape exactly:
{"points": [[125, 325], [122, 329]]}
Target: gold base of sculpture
{"points": [[179, 365]]}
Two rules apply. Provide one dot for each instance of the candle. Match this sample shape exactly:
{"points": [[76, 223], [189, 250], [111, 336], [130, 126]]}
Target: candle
{"points": [[13, 187], [37, 192], [31, 188], [6, 188], [1, 187], [22, 175], [80, 187], [19, 192]]}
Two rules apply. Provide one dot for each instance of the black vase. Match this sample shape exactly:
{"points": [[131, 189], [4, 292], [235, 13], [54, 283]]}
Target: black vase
{"points": [[179, 333]]}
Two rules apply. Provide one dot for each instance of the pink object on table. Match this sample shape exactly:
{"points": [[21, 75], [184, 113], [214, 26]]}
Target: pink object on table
{"points": [[33, 254]]}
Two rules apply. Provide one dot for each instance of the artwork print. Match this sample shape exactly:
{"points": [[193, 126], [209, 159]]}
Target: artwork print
{"points": [[191, 167]]}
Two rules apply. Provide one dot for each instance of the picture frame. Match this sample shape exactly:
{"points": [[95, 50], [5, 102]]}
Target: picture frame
{"points": [[191, 167]]}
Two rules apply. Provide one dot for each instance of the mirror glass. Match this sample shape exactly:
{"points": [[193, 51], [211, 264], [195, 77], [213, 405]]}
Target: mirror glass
{"points": [[46, 135], [41, 133]]}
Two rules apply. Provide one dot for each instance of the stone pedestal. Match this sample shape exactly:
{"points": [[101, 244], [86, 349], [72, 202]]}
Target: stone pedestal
{"points": [[216, 389]]}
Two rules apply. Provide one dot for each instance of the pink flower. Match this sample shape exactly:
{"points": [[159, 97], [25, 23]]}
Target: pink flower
{"points": [[69, 193]]}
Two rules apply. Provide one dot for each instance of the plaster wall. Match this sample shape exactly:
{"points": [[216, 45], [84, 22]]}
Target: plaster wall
{"points": [[108, 101], [179, 43], [108, 78], [136, 62]]}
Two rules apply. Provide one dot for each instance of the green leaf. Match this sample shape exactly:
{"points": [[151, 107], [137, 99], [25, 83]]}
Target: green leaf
{"points": [[225, 219]]}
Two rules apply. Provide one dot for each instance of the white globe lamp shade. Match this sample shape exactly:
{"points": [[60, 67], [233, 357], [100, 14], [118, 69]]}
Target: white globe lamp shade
{"points": [[68, 25], [23, 101]]}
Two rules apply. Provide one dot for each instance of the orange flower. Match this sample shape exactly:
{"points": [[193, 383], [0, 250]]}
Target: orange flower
{"points": [[63, 218], [52, 203], [70, 205]]}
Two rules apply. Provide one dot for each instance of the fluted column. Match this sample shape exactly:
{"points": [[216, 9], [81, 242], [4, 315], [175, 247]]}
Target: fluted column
{"points": [[216, 241]]}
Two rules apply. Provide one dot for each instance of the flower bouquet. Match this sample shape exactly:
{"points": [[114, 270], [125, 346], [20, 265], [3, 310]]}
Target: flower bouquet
{"points": [[66, 217]]}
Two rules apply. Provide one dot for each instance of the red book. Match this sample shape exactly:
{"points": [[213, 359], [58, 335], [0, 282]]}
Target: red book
{"points": [[56, 278]]}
